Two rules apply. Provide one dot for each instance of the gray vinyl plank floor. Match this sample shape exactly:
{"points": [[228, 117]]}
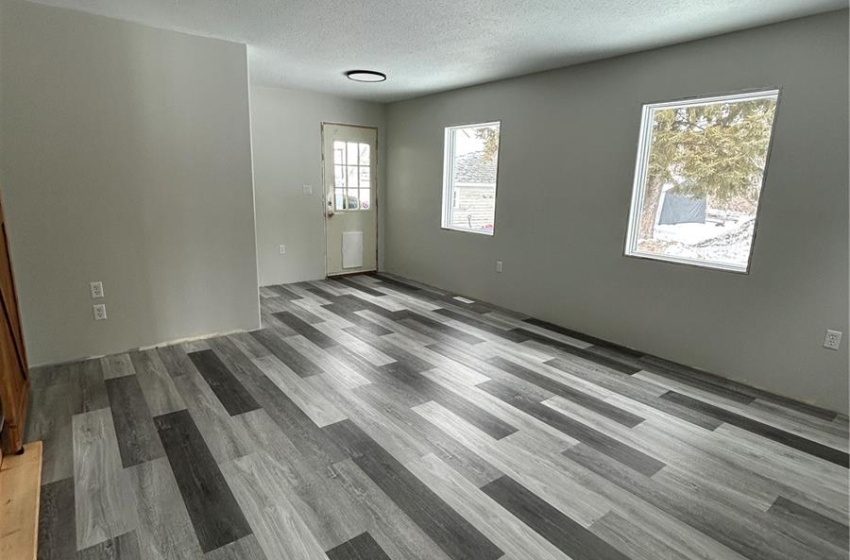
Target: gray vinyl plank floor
{"points": [[377, 418]]}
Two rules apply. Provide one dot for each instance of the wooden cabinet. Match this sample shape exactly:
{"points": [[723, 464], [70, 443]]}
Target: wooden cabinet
{"points": [[14, 372]]}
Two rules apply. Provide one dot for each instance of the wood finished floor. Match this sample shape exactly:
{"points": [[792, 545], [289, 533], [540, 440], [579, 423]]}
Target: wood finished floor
{"points": [[373, 418]]}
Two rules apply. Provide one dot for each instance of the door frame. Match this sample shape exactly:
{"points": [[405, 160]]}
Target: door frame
{"points": [[323, 204]]}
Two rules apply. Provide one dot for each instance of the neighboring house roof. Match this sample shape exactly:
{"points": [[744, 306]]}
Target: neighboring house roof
{"points": [[475, 168]]}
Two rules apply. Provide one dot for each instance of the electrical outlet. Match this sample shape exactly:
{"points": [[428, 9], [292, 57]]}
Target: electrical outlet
{"points": [[281, 249], [307, 190], [832, 340], [498, 266], [96, 290], [99, 312]]}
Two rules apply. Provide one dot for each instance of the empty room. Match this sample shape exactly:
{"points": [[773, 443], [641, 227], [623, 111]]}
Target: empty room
{"points": [[424, 280]]}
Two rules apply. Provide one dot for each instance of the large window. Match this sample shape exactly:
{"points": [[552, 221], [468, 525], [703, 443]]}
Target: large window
{"points": [[700, 168], [470, 170]]}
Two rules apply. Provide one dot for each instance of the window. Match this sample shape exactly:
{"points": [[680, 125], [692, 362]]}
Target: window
{"points": [[469, 177], [700, 169], [352, 184]]}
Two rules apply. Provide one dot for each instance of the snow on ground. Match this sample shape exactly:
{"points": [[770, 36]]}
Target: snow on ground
{"points": [[727, 243]]}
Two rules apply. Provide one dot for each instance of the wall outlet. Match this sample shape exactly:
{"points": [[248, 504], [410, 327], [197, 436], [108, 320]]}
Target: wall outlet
{"points": [[832, 340], [498, 266], [281, 249], [307, 190], [99, 312], [96, 290]]}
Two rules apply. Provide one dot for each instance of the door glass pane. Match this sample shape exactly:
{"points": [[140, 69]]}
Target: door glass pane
{"points": [[339, 152], [364, 178], [364, 154], [339, 199], [339, 176], [351, 177], [365, 199], [351, 153]]}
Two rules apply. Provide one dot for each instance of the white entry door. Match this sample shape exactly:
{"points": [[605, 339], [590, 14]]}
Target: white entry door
{"points": [[351, 217]]}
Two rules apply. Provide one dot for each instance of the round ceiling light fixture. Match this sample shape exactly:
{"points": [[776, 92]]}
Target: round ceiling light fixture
{"points": [[366, 76]]}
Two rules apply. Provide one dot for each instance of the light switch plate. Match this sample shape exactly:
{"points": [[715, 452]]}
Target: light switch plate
{"points": [[281, 249], [307, 189]]}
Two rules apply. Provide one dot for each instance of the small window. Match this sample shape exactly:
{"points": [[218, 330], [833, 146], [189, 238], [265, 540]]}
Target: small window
{"points": [[700, 170], [470, 169], [352, 167]]}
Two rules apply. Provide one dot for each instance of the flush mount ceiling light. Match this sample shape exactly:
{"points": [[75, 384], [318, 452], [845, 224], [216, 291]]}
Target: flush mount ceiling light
{"points": [[365, 76]]}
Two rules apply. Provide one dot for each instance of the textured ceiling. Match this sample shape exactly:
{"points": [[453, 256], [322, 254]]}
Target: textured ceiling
{"points": [[427, 46]]}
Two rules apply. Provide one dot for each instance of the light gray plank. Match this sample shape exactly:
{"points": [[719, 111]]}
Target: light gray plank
{"points": [[104, 504], [279, 529], [165, 531], [246, 548], [391, 528], [497, 524], [159, 390], [117, 365], [313, 402]]}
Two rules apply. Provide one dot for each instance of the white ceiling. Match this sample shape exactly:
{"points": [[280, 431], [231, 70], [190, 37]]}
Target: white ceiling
{"points": [[427, 46]]}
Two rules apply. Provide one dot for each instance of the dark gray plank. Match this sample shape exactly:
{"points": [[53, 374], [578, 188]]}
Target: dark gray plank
{"points": [[701, 381], [361, 547], [492, 425], [57, 535], [591, 403], [232, 395], [283, 292], [122, 547], [770, 432], [442, 444], [138, 441], [352, 317], [611, 447], [305, 329], [576, 541], [297, 362], [654, 363], [579, 352], [811, 521], [359, 287], [304, 433], [452, 533], [511, 335], [246, 548], [212, 508], [629, 390], [449, 331], [584, 337], [742, 531], [413, 362]]}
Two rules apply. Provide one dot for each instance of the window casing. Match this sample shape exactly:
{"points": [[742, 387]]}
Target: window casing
{"points": [[470, 176], [701, 165]]}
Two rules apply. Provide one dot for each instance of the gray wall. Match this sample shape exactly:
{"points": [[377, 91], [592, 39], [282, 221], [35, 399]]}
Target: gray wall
{"points": [[286, 131], [125, 158], [566, 167]]}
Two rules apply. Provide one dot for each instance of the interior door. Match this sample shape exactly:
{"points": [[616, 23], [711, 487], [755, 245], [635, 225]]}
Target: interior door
{"points": [[350, 161], [14, 376]]}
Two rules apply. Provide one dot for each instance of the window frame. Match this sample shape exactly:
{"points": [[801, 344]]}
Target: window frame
{"points": [[358, 166], [447, 192], [642, 164]]}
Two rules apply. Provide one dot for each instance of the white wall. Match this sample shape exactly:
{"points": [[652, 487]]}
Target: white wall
{"points": [[286, 130], [566, 166], [125, 158]]}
